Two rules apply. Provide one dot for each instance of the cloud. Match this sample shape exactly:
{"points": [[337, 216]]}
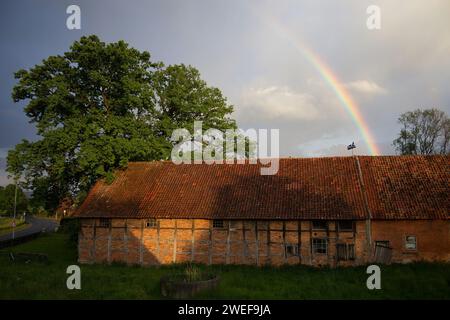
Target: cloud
{"points": [[275, 102], [4, 178], [326, 147], [365, 86]]}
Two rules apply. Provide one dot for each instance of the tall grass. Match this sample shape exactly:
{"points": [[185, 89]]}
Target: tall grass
{"points": [[36, 280]]}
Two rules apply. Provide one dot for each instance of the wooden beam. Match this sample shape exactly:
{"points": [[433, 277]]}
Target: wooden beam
{"points": [[257, 242], [284, 241], [310, 242], [299, 240], [244, 241], [125, 240], [227, 258], [174, 258], [210, 242], [141, 244], [109, 242], [269, 258], [193, 240], [158, 249], [94, 238]]}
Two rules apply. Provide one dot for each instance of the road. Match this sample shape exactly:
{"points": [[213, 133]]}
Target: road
{"points": [[37, 224]]}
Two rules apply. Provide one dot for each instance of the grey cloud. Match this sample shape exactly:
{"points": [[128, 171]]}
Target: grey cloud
{"points": [[236, 49]]}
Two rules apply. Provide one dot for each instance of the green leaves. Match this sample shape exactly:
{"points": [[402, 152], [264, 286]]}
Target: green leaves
{"points": [[100, 105], [423, 132], [7, 195]]}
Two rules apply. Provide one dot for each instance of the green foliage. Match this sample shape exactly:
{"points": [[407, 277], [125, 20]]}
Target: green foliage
{"points": [[99, 106], [192, 273], [423, 132], [7, 195], [6, 223], [71, 227]]}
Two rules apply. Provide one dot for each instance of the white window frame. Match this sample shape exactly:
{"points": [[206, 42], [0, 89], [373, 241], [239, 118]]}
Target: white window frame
{"points": [[415, 242]]}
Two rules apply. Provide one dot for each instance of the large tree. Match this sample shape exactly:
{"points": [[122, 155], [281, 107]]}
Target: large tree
{"points": [[8, 196], [423, 132], [100, 105]]}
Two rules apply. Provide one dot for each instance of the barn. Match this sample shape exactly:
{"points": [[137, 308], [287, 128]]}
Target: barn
{"points": [[333, 211]]}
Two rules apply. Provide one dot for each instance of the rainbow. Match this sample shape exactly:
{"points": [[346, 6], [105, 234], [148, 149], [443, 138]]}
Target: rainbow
{"points": [[331, 79]]}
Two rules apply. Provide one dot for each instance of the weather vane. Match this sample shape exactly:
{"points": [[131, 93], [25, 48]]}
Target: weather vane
{"points": [[351, 147]]}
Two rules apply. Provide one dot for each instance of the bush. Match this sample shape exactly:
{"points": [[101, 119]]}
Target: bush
{"points": [[71, 227]]}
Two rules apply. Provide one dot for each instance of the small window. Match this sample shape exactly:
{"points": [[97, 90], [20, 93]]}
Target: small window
{"points": [[319, 225], [151, 223], [382, 243], [105, 222], [218, 224], [319, 246], [345, 225], [291, 250], [411, 243], [345, 251]]}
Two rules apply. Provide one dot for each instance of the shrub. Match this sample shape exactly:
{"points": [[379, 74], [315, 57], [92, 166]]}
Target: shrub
{"points": [[71, 227]]}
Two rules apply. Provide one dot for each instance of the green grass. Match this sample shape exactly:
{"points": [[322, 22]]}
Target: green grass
{"points": [[35, 280], [5, 225]]}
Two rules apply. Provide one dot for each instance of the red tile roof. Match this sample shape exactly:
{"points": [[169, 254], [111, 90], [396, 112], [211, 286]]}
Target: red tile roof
{"points": [[303, 188], [407, 187]]}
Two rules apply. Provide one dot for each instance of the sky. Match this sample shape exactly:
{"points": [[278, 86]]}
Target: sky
{"points": [[267, 57]]}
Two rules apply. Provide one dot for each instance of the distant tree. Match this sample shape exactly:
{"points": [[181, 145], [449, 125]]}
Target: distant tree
{"points": [[423, 132], [7, 195], [99, 106]]}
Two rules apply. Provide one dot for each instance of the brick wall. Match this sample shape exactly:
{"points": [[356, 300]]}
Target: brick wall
{"points": [[432, 239], [196, 240]]}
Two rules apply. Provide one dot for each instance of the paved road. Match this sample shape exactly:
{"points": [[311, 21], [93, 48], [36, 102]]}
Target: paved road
{"points": [[37, 225]]}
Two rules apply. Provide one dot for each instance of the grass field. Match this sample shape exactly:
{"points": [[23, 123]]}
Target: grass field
{"points": [[36, 280], [6, 225]]}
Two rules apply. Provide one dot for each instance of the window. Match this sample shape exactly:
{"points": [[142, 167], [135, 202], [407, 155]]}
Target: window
{"points": [[345, 225], [291, 250], [151, 223], [345, 251], [218, 224], [319, 225], [382, 243], [105, 222], [411, 243], [319, 246]]}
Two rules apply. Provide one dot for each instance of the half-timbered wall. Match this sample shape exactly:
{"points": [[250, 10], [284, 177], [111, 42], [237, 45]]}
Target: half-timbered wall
{"points": [[253, 242]]}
